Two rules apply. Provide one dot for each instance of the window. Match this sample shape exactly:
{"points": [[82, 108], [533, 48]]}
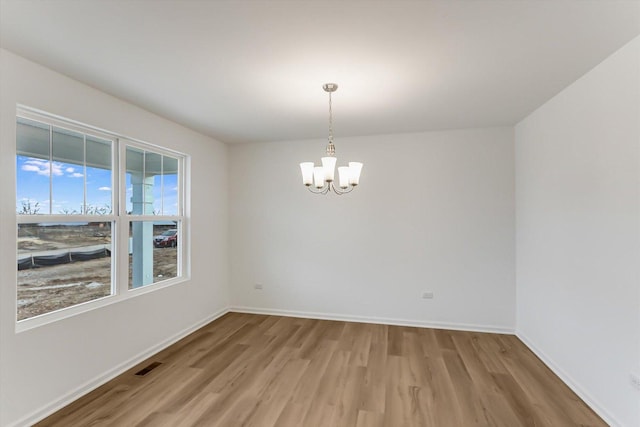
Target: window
{"points": [[73, 214], [154, 212]]}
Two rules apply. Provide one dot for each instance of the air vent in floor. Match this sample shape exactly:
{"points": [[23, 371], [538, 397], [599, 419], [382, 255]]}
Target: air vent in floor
{"points": [[145, 371]]}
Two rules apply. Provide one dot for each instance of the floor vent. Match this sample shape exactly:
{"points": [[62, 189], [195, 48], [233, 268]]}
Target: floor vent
{"points": [[145, 371]]}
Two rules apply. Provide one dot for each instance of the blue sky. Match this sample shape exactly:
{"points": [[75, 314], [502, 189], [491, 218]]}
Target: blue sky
{"points": [[67, 182]]}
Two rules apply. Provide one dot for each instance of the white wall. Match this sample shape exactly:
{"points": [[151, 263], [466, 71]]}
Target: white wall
{"points": [[434, 212], [578, 236], [40, 366]]}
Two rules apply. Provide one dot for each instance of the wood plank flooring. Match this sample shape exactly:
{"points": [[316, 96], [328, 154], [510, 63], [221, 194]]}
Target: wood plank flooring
{"points": [[254, 370]]}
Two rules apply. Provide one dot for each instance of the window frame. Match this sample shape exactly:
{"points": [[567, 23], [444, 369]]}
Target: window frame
{"points": [[118, 217]]}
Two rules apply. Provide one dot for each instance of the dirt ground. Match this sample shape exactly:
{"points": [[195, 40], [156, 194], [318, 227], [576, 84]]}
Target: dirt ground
{"points": [[45, 289], [33, 238]]}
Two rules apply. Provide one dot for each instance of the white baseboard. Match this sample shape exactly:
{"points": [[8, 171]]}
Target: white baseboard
{"points": [[378, 320], [90, 385], [570, 382]]}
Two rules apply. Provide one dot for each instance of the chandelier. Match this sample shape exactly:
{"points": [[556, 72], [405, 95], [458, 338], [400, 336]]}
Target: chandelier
{"points": [[320, 179]]}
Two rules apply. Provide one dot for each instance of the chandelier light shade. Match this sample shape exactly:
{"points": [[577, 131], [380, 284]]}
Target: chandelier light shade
{"points": [[321, 179]]}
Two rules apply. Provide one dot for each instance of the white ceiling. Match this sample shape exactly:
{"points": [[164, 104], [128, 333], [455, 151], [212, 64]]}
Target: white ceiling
{"points": [[251, 71]]}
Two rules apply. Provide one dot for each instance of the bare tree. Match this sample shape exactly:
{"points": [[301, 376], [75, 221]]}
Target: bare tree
{"points": [[28, 208], [98, 210]]}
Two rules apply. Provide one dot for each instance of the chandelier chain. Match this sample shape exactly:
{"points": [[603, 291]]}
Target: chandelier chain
{"points": [[331, 149], [330, 120]]}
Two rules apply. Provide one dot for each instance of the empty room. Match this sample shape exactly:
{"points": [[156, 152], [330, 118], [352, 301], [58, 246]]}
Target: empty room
{"points": [[320, 213]]}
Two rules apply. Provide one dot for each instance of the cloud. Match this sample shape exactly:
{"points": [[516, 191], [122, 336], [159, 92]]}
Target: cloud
{"points": [[104, 188], [76, 175], [70, 170], [42, 167], [32, 168]]}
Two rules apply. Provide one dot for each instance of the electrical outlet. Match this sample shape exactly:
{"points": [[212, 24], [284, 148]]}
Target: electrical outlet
{"points": [[635, 381], [257, 286], [427, 295]]}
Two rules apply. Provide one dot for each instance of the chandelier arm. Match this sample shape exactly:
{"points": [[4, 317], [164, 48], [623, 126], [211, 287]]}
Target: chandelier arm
{"points": [[345, 191], [323, 191]]}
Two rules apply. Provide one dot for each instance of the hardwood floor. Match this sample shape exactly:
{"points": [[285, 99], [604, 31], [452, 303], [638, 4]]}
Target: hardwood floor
{"points": [[254, 370]]}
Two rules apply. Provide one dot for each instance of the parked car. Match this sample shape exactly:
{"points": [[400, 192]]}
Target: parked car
{"points": [[167, 239]]}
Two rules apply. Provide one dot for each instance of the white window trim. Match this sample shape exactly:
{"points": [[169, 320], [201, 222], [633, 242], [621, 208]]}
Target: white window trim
{"points": [[119, 240]]}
